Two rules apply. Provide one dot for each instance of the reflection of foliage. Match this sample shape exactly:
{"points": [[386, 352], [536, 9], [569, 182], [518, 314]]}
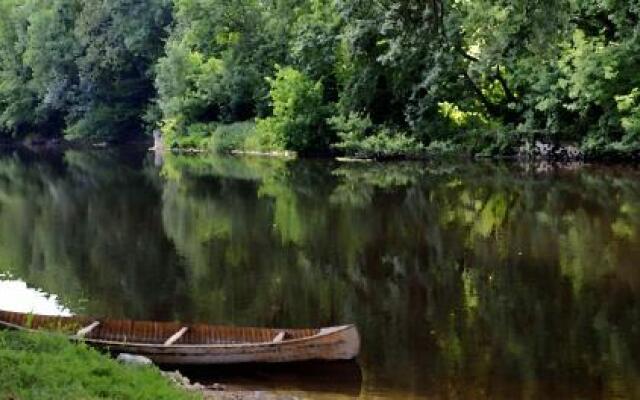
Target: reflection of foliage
{"points": [[358, 182], [468, 261], [250, 168], [249, 251], [382, 175], [79, 226], [474, 273]]}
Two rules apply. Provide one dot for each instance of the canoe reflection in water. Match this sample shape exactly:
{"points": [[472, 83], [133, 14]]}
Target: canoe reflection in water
{"points": [[332, 379]]}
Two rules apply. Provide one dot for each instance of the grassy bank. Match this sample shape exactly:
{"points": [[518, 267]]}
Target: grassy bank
{"points": [[215, 137], [38, 366], [251, 138], [248, 138]]}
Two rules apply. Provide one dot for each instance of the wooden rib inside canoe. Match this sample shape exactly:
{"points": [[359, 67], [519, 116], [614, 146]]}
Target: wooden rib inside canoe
{"points": [[176, 343]]}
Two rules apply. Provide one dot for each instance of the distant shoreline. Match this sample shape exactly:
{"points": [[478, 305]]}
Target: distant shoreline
{"points": [[557, 155]]}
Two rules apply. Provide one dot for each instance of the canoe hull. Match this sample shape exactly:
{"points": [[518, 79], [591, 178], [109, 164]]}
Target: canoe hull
{"points": [[173, 343], [343, 344]]}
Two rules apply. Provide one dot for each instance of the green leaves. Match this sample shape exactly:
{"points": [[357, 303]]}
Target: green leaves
{"points": [[520, 68], [358, 137], [299, 113], [119, 42], [78, 67], [629, 107]]}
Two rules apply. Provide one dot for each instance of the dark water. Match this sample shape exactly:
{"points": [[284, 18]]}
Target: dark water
{"points": [[467, 281]]}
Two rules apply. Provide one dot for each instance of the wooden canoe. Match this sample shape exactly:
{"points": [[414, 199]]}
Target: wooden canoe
{"points": [[180, 344]]}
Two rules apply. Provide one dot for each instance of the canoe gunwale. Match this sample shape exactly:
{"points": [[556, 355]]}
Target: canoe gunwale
{"points": [[334, 331]]}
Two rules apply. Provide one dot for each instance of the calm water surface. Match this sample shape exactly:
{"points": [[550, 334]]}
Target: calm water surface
{"points": [[467, 281]]}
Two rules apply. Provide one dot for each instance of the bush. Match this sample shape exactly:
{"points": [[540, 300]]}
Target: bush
{"points": [[177, 135], [227, 138], [299, 113], [629, 107], [442, 148], [214, 136], [359, 138]]}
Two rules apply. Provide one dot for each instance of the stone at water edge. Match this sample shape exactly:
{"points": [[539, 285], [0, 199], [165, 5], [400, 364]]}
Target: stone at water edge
{"points": [[177, 378], [131, 359], [216, 387]]}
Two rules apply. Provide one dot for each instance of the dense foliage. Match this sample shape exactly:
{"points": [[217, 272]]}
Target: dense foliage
{"points": [[484, 75], [78, 67]]}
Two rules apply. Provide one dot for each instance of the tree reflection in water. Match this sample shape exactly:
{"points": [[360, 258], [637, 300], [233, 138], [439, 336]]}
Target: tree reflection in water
{"points": [[474, 280]]}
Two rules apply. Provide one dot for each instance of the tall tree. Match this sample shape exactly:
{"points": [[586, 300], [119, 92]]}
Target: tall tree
{"points": [[120, 41]]}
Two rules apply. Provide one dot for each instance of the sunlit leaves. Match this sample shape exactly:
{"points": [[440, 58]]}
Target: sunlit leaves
{"points": [[298, 121]]}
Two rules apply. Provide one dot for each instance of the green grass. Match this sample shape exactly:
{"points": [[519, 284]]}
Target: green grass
{"points": [[236, 136], [42, 367], [218, 138], [211, 137]]}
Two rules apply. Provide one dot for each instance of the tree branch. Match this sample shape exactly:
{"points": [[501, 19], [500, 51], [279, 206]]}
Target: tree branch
{"points": [[467, 55], [491, 108], [505, 86]]}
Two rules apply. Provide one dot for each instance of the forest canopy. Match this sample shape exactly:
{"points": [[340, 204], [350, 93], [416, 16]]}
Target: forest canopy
{"points": [[377, 78]]}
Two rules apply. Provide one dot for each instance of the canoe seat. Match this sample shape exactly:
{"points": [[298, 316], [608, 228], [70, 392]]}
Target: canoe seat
{"points": [[177, 336], [84, 332], [280, 337]]}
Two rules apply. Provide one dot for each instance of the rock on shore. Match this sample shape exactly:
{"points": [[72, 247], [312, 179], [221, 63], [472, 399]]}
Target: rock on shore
{"points": [[221, 392]]}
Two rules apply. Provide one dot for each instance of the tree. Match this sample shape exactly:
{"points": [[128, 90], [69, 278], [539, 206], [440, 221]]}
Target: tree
{"points": [[79, 67], [217, 57], [476, 75], [120, 41], [17, 101], [299, 113]]}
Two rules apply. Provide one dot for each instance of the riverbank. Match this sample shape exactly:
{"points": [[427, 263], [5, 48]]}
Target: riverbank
{"points": [[43, 367], [242, 139], [245, 138], [39, 366]]}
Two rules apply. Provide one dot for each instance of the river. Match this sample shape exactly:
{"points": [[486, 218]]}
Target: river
{"points": [[467, 280]]}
